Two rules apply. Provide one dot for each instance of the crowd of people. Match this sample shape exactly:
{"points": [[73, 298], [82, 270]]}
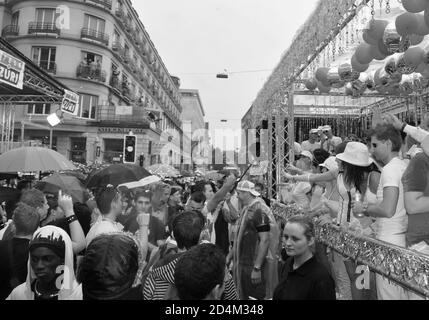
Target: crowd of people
{"points": [[220, 239]]}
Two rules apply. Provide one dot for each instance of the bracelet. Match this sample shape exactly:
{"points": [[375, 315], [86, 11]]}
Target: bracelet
{"points": [[71, 219]]}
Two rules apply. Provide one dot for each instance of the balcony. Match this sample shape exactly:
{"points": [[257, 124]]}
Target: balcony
{"points": [[91, 73], [107, 4], [94, 35], [43, 27], [115, 83], [10, 31], [48, 66], [135, 116], [116, 46], [125, 56]]}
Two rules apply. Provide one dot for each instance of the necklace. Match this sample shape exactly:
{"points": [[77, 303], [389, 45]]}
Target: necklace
{"points": [[38, 294]]}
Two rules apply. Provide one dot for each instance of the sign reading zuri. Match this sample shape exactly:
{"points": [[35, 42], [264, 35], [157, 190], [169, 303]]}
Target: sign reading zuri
{"points": [[11, 70], [70, 102]]}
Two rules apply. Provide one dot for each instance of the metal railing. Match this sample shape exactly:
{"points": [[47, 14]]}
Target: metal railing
{"points": [[91, 73], [49, 66], [137, 116], [43, 27], [105, 3], [117, 47], [92, 34], [10, 30]]}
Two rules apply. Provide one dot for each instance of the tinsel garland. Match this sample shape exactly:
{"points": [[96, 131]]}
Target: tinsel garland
{"points": [[408, 268]]}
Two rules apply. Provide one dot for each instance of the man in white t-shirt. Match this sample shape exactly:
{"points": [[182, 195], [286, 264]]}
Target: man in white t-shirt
{"points": [[331, 141], [109, 203], [390, 213], [311, 144]]}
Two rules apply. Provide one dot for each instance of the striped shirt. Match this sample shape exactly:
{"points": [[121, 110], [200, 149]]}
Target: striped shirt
{"points": [[159, 280]]}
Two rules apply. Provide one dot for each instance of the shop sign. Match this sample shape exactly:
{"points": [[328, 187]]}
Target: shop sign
{"points": [[124, 110], [121, 130], [11, 70]]}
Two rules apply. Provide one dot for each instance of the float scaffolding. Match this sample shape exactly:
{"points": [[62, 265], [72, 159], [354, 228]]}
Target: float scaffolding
{"points": [[38, 87], [332, 29]]}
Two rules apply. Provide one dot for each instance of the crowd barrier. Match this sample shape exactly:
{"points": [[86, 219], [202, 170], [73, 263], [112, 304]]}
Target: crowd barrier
{"points": [[407, 268]]}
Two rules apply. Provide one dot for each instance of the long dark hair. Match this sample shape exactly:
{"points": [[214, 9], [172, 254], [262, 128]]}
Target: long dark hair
{"points": [[354, 175]]}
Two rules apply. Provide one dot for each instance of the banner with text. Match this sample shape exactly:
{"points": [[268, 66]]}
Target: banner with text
{"points": [[70, 102], [11, 70]]}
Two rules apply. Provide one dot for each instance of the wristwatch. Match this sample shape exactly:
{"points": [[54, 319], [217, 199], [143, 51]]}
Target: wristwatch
{"points": [[257, 269]]}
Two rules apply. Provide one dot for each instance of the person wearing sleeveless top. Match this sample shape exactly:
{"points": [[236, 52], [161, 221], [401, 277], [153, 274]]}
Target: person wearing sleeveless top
{"points": [[355, 173]]}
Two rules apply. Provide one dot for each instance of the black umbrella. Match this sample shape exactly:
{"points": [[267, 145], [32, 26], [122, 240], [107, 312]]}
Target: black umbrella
{"points": [[116, 174], [7, 194]]}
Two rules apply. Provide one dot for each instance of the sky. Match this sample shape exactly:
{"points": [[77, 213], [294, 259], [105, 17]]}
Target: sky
{"points": [[196, 39]]}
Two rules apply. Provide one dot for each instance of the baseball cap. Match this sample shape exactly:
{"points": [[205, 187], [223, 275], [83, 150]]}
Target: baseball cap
{"points": [[314, 131], [326, 128], [248, 186]]}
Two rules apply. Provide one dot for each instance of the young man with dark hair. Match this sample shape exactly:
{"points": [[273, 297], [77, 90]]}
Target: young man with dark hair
{"points": [[390, 213], [187, 229], [206, 281], [14, 252]]}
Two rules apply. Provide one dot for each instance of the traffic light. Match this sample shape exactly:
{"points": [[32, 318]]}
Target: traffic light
{"points": [[130, 149]]}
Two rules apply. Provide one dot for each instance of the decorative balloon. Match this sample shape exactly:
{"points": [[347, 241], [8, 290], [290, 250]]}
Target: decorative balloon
{"points": [[346, 72], [334, 78], [415, 39], [375, 29], [391, 38], [421, 67], [322, 88], [422, 28], [377, 55], [413, 57], [311, 84], [382, 48], [366, 37], [363, 53], [322, 75], [426, 16], [358, 66], [414, 6], [407, 23]]}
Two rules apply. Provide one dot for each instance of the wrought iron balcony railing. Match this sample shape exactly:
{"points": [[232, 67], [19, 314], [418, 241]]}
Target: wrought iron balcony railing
{"points": [[105, 3], [43, 27], [10, 30], [132, 115], [92, 34], [91, 73]]}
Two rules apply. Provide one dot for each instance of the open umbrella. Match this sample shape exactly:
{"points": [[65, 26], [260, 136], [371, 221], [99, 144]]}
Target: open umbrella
{"points": [[33, 159], [116, 174], [7, 194], [68, 184], [163, 170]]}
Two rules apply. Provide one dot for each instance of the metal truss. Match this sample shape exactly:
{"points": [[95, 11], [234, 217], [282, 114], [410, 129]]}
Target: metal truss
{"points": [[280, 142], [25, 99], [33, 81]]}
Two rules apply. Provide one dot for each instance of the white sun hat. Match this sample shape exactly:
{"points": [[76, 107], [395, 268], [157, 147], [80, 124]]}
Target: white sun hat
{"points": [[307, 154], [357, 154]]}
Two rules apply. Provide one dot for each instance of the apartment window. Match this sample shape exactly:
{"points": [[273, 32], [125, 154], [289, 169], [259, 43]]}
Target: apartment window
{"points": [[91, 57], [88, 105], [44, 57], [127, 50], [94, 23], [46, 15], [39, 108], [15, 18]]}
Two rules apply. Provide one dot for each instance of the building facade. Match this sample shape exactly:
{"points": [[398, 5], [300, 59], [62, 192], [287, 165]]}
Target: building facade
{"points": [[193, 124], [100, 50]]}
